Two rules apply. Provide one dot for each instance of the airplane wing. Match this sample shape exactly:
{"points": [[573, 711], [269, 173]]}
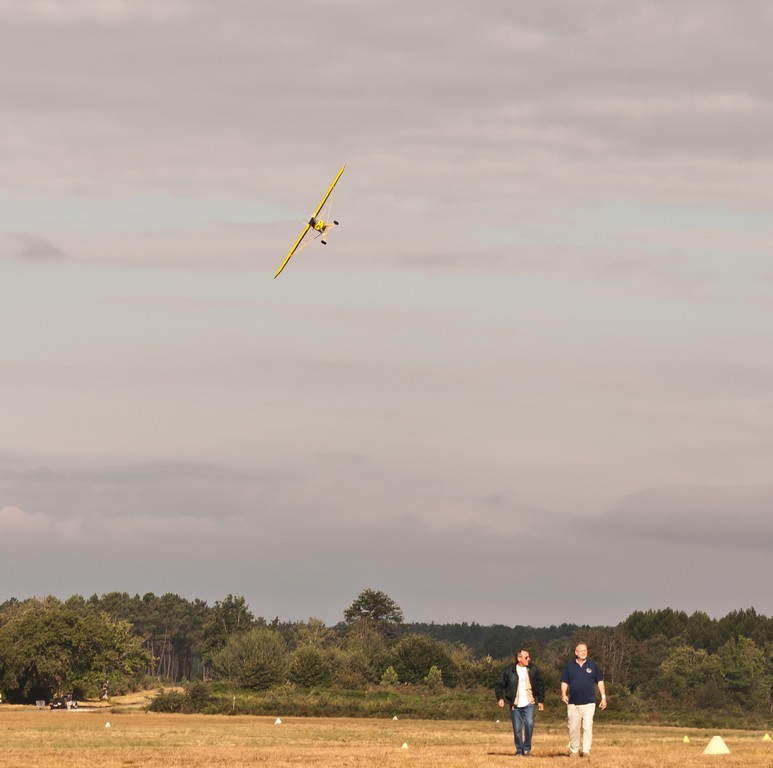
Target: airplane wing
{"points": [[293, 250], [330, 189], [309, 225]]}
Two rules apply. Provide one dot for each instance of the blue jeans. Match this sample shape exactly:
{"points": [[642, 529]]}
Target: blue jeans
{"points": [[523, 727]]}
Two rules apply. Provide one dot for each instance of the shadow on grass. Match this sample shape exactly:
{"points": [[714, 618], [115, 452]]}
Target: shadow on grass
{"points": [[552, 753]]}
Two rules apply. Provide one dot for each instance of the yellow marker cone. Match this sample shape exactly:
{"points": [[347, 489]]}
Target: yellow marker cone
{"points": [[766, 737], [405, 745], [716, 746], [686, 740]]}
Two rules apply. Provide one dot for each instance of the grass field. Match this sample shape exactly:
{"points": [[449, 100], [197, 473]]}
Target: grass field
{"points": [[31, 738]]}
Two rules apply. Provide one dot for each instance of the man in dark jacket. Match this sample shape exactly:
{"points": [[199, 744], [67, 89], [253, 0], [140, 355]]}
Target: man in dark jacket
{"points": [[521, 687]]}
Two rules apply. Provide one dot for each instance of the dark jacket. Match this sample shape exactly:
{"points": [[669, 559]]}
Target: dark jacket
{"points": [[507, 686]]}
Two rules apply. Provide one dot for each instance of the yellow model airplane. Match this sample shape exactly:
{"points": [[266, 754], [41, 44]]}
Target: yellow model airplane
{"points": [[315, 223]]}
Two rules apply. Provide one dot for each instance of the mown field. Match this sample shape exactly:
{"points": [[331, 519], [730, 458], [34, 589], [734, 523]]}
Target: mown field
{"points": [[31, 738]]}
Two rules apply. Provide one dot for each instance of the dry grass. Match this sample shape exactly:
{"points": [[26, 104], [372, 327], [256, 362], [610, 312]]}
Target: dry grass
{"points": [[33, 739]]}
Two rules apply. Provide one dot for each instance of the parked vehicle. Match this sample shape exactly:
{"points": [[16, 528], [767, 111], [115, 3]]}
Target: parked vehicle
{"points": [[63, 702]]}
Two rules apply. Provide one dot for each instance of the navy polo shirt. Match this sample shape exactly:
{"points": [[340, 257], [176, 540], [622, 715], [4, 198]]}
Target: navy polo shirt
{"points": [[582, 680]]}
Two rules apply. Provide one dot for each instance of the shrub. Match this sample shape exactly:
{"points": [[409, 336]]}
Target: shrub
{"points": [[414, 655], [434, 678], [352, 670], [390, 677], [197, 695], [254, 660], [311, 667], [168, 701]]}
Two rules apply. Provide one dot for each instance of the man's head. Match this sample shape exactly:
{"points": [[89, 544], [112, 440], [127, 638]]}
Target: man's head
{"points": [[581, 652], [522, 657]]}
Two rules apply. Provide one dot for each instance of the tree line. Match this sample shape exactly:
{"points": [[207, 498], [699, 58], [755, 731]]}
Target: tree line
{"points": [[112, 643]]}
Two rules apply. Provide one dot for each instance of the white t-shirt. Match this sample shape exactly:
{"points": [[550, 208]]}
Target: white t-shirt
{"points": [[523, 687]]}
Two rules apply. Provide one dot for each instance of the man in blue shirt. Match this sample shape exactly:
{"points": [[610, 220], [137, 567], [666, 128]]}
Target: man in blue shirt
{"points": [[578, 692]]}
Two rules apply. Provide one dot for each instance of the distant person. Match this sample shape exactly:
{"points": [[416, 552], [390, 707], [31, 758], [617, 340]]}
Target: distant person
{"points": [[578, 692], [521, 687]]}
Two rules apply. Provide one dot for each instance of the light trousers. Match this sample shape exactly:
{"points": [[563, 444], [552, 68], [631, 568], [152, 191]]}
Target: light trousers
{"points": [[580, 719]]}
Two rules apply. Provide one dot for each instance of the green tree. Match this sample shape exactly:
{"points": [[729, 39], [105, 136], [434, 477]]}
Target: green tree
{"points": [[686, 670], [312, 632], [414, 655], [170, 625], [47, 648], [703, 632], [646, 659], [390, 677], [375, 609], [311, 667], [747, 623], [353, 669], [643, 625], [472, 672], [226, 618], [366, 651], [613, 650], [434, 678], [745, 673], [255, 660]]}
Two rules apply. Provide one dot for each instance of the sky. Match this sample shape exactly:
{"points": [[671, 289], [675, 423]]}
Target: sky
{"points": [[529, 380]]}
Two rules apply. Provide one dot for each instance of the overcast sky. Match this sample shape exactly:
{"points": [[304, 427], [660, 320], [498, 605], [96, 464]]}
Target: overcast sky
{"points": [[528, 381]]}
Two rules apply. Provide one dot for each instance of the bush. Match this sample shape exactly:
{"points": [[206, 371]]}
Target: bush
{"points": [[197, 696], [311, 667], [415, 655], [390, 677], [434, 679], [255, 660], [168, 701], [476, 674], [709, 695], [352, 670]]}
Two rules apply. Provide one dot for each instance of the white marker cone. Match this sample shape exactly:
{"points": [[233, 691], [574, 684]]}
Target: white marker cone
{"points": [[716, 746], [766, 737], [107, 725], [686, 740], [405, 745], [277, 721], [395, 717]]}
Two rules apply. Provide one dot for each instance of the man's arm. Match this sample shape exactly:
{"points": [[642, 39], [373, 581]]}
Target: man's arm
{"points": [[499, 689], [565, 692], [603, 692], [539, 694]]}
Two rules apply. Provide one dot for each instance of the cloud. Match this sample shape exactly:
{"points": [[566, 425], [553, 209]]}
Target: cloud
{"points": [[302, 540], [17, 522], [34, 248], [722, 518], [79, 11], [317, 529], [447, 103], [548, 292]]}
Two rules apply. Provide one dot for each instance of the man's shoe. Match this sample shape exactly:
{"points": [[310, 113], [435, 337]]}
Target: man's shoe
{"points": [[574, 754]]}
